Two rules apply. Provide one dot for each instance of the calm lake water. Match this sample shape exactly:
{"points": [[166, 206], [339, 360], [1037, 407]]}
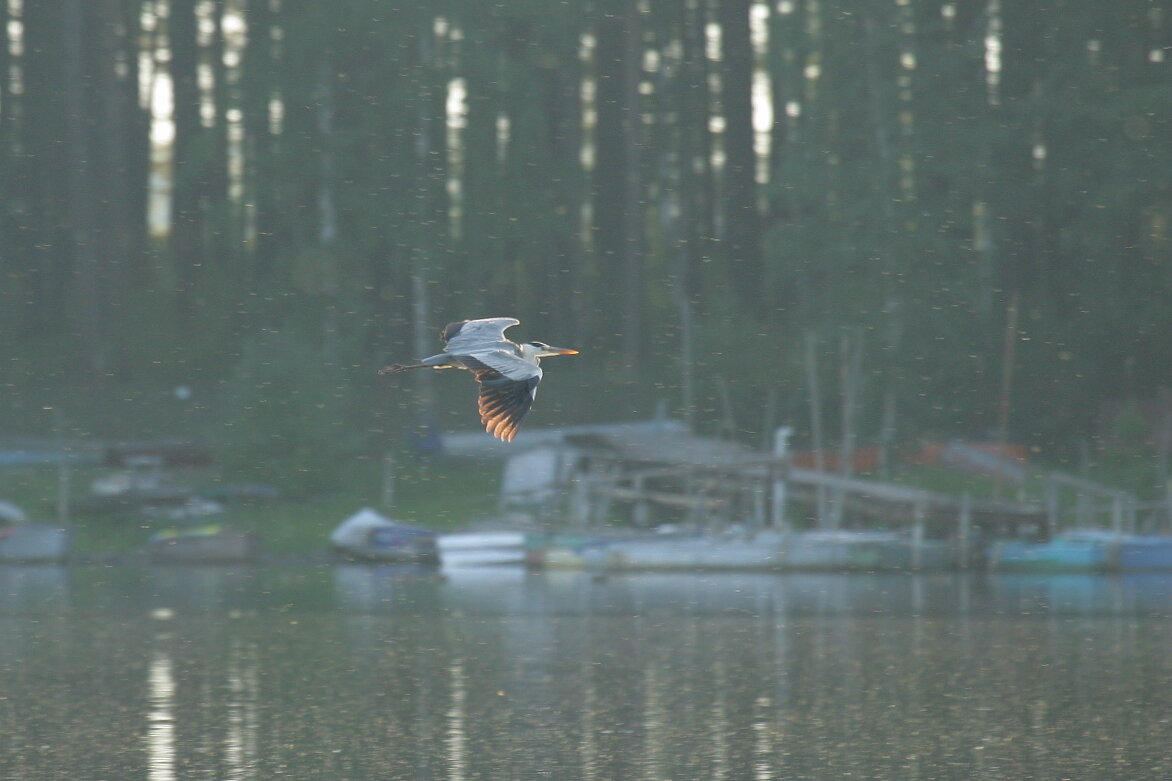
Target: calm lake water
{"points": [[355, 673]]}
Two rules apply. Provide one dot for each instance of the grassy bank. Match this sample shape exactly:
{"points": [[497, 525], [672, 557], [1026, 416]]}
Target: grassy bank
{"points": [[319, 437], [436, 493]]}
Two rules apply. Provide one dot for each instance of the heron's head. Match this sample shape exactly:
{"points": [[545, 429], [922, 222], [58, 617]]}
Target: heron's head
{"points": [[543, 350]]}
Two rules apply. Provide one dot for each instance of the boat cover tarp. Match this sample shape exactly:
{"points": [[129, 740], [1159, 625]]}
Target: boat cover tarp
{"points": [[366, 526]]}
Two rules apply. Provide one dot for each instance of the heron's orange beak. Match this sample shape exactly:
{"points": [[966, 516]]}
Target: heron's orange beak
{"points": [[547, 351]]}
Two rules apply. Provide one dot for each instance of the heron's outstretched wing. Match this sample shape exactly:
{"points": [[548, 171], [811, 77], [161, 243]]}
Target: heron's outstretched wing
{"points": [[468, 336], [504, 402], [507, 362], [508, 385]]}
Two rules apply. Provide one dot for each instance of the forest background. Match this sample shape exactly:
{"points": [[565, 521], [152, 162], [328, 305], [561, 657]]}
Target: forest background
{"points": [[220, 217]]}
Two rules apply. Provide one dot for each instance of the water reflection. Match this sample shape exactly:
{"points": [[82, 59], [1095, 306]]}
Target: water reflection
{"points": [[369, 672], [33, 589], [160, 719], [456, 737], [241, 711]]}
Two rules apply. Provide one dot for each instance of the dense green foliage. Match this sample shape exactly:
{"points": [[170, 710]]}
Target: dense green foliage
{"points": [[613, 173]]}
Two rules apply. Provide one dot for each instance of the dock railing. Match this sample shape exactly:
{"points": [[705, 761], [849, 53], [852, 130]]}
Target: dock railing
{"points": [[1094, 505], [757, 492]]}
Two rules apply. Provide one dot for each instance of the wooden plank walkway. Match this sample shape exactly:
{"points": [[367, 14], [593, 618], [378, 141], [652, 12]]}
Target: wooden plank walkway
{"points": [[750, 486]]}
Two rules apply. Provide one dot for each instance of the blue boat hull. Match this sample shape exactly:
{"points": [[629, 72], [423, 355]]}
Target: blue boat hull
{"points": [[1145, 554], [1053, 556], [1085, 552]]}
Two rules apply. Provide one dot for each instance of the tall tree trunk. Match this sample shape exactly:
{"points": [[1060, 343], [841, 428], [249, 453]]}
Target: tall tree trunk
{"points": [[187, 176], [40, 173], [257, 90], [137, 141], [632, 191], [481, 171], [83, 195], [327, 209], [697, 185], [217, 166], [121, 227], [565, 267], [817, 441], [609, 157], [686, 197], [616, 185], [742, 232], [8, 267], [221, 226], [5, 86]]}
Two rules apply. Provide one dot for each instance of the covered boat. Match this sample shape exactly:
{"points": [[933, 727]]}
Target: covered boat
{"points": [[370, 536]]}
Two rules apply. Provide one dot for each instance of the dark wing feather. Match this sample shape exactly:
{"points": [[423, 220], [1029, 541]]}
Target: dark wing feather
{"points": [[503, 402], [450, 330]]}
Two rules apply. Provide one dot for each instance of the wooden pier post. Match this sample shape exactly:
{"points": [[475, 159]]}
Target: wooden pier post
{"points": [[642, 512], [578, 504], [388, 479], [1051, 508], [964, 532], [918, 514], [779, 470]]}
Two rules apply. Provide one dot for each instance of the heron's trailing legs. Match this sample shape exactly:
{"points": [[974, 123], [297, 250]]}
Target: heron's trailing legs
{"points": [[395, 368]]}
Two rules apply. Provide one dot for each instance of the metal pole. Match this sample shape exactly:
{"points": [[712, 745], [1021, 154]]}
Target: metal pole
{"points": [[780, 468], [62, 468], [1006, 379], [389, 482], [918, 513], [965, 522]]}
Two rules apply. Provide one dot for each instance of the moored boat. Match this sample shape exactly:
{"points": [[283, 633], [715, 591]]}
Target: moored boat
{"points": [[1074, 552], [741, 549], [1144, 553], [370, 536], [204, 544], [728, 551], [857, 550], [481, 548]]}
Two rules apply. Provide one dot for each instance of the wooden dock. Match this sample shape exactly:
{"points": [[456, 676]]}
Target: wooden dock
{"points": [[747, 485], [657, 475], [768, 492]]}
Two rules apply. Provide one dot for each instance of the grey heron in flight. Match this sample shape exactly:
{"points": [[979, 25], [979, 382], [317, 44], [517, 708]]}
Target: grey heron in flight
{"points": [[506, 371]]}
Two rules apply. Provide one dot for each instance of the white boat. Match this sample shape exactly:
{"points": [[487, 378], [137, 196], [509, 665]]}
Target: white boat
{"points": [[858, 550], [728, 551], [481, 548], [739, 549]]}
